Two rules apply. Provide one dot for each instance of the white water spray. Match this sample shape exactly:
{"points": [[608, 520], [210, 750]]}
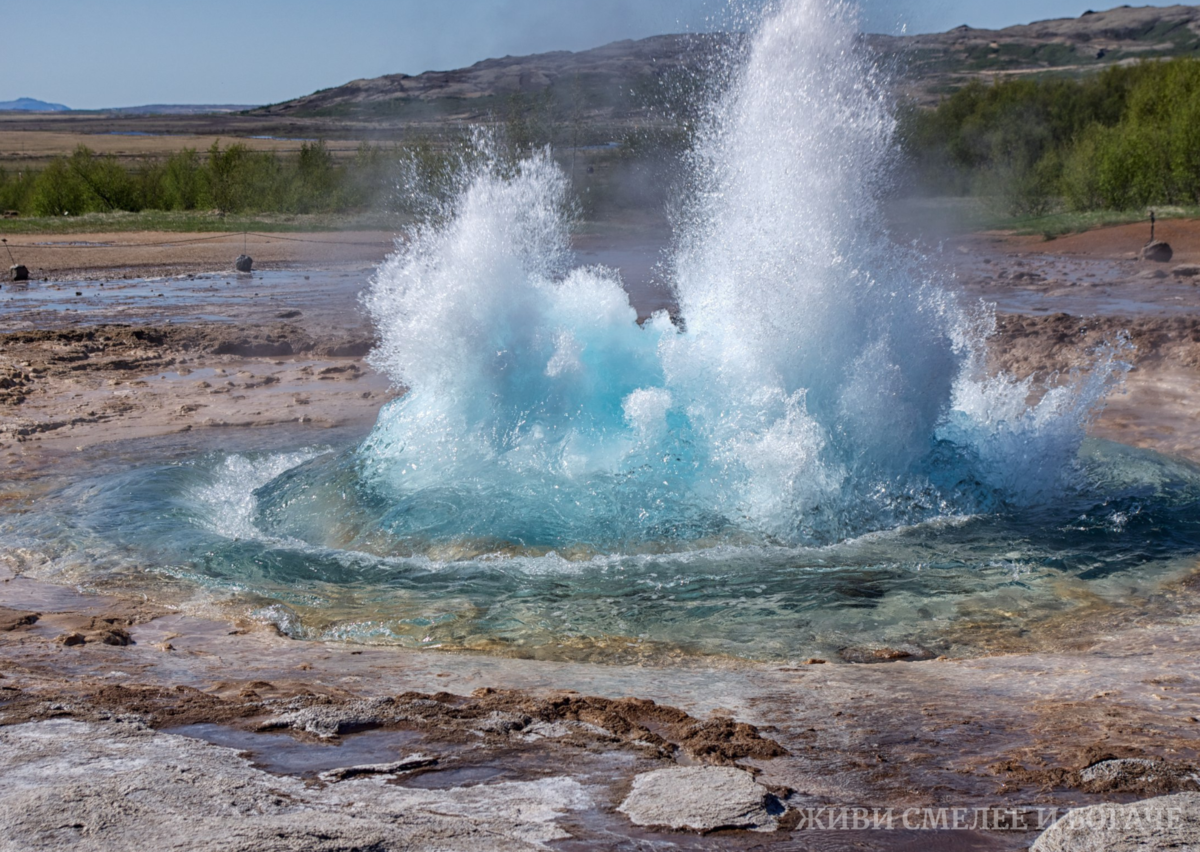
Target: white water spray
{"points": [[818, 389]]}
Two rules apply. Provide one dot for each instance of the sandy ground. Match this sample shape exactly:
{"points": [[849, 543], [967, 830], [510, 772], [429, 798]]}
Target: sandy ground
{"points": [[1011, 731], [99, 256]]}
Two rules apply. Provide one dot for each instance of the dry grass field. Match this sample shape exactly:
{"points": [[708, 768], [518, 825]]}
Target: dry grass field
{"points": [[34, 148], [31, 140]]}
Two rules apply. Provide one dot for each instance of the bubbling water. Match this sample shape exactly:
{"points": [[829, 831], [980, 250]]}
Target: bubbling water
{"points": [[816, 385]]}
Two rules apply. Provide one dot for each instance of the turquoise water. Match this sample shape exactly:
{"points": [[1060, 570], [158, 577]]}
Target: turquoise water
{"points": [[200, 532]]}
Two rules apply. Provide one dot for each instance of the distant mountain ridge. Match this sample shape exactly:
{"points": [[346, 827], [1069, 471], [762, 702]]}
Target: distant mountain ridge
{"points": [[31, 105], [180, 109], [603, 75], [34, 105], [611, 79]]}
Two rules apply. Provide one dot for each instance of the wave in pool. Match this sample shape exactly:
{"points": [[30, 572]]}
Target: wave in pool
{"points": [[193, 533]]}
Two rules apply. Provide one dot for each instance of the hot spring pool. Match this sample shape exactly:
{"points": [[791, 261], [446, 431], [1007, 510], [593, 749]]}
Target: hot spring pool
{"points": [[199, 533], [808, 458]]}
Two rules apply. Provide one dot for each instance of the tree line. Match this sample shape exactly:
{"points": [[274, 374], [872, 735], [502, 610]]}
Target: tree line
{"points": [[231, 179], [1125, 138]]}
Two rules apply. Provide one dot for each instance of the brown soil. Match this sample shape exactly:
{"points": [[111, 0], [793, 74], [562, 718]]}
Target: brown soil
{"points": [[154, 253], [441, 716], [1116, 243]]}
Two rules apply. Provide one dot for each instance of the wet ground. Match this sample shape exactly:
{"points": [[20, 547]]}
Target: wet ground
{"points": [[1012, 730], [1003, 732]]}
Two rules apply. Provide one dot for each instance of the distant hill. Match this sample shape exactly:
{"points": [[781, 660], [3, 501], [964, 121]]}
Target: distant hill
{"points": [[937, 63], [31, 105], [181, 109], [615, 79], [639, 78]]}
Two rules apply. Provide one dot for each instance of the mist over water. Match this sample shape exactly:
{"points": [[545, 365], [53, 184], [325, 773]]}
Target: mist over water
{"points": [[809, 455]]}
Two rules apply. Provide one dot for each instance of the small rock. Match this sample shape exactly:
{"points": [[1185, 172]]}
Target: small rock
{"points": [[1157, 251], [288, 315], [1153, 273], [504, 723], [11, 619], [244, 263], [1139, 774], [1107, 770], [1186, 270], [19, 272], [104, 636], [1165, 822], [884, 654], [113, 636], [408, 764], [700, 798], [330, 722]]}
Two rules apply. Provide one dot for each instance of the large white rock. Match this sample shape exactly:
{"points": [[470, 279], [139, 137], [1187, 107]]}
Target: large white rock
{"points": [[119, 787], [698, 798], [1162, 823]]}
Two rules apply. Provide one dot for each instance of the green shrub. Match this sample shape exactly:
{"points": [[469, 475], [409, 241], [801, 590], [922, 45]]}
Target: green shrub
{"points": [[1127, 137], [183, 183], [59, 191], [16, 189]]}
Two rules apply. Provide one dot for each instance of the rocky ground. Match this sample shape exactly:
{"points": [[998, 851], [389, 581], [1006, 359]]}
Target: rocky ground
{"points": [[128, 725], [1063, 302], [66, 390], [265, 742]]}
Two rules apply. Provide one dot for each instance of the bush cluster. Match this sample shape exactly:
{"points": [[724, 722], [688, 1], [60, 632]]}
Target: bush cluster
{"points": [[1128, 137], [234, 179]]}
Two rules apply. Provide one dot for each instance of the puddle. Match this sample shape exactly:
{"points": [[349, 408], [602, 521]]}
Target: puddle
{"points": [[265, 295], [213, 297], [461, 776], [283, 754]]}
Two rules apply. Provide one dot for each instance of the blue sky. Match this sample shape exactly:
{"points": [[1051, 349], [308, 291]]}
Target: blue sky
{"points": [[90, 54]]}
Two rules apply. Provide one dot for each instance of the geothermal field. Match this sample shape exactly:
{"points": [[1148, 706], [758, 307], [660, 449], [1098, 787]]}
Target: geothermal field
{"points": [[771, 504]]}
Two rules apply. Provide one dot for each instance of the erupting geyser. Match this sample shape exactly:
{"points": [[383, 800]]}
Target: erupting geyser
{"points": [[817, 387], [809, 456]]}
